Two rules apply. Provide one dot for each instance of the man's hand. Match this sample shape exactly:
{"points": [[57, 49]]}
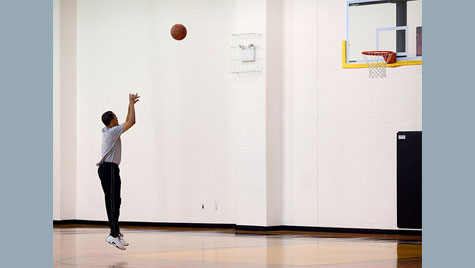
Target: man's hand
{"points": [[134, 98]]}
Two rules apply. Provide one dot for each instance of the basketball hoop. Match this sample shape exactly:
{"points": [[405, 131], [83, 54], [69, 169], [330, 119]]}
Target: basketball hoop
{"points": [[377, 61]]}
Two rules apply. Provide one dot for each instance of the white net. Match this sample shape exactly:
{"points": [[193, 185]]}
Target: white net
{"points": [[377, 64]]}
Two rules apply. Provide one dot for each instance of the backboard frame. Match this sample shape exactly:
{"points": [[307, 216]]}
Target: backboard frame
{"points": [[397, 28]]}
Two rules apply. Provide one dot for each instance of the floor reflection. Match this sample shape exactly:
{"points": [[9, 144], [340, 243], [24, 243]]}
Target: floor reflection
{"points": [[405, 252]]}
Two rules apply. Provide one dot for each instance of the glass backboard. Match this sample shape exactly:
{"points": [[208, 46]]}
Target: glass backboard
{"points": [[394, 25]]}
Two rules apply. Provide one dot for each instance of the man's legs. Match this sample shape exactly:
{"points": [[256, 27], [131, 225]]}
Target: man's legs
{"points": [[115, 191], [110, 181]]}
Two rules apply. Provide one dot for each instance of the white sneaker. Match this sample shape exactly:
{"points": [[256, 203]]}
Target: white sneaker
{"points": [[115, 242], [122, 241]]}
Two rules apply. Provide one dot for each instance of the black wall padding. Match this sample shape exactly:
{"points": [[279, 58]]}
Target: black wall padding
{"points": [[409, 179]]}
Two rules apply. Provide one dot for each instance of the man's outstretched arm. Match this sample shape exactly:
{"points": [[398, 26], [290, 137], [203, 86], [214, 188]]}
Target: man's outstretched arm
{"points": [[130, 120], [128, 113]]}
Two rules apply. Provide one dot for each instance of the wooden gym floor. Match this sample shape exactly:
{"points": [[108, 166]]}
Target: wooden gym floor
{"points": [[85, 246]]}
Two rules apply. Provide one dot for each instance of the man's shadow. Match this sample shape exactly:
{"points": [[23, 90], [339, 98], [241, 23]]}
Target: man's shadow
{"points": [[119, 265]]}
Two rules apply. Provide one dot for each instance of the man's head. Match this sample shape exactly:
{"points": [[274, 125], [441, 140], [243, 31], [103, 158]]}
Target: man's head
{"points": [[109, 119]]}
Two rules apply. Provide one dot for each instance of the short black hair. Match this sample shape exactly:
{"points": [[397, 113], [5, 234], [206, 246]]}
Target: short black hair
{"points": [[107, 117]]}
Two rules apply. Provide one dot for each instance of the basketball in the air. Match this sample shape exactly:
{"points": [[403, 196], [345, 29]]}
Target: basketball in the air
{"points": [[178, 32]]}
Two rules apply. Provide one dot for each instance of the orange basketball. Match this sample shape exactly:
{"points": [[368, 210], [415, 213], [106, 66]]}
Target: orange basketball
{"points": [[178, 31]]}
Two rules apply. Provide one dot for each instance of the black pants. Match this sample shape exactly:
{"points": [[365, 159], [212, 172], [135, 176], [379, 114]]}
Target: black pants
{"points": [[110, 181]]}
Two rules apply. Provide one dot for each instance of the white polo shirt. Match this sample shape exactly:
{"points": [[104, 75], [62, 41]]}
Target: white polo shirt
{"points": [[111, 144]]}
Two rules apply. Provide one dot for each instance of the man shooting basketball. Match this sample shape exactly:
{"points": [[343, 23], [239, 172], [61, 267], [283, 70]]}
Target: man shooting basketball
{"points": [[109, 168]]}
